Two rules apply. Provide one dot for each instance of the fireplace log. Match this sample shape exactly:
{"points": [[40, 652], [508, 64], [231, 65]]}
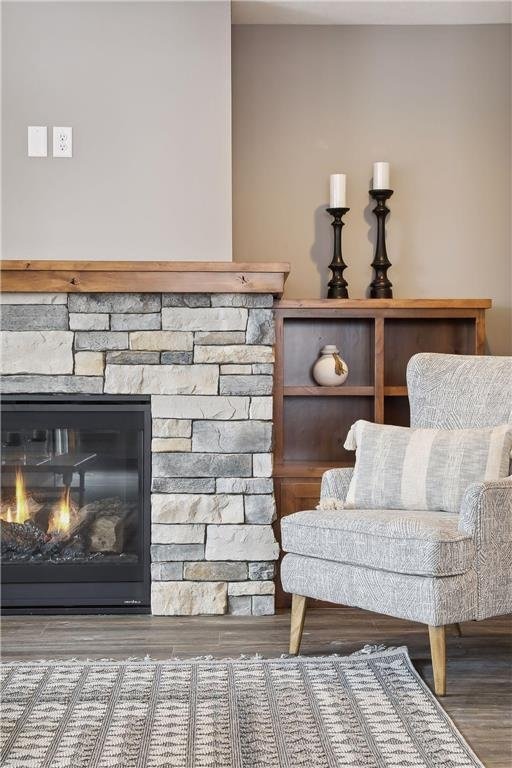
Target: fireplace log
{"points": [[112, 505], [73, 539], [32, 505], [106, 534]]}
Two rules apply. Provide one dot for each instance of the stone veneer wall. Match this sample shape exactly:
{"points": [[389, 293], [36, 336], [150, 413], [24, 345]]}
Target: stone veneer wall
{"points": [[207, 362]]}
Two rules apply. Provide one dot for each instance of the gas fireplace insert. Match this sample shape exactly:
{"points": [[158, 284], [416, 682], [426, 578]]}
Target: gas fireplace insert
{"points": [[75, 503]]}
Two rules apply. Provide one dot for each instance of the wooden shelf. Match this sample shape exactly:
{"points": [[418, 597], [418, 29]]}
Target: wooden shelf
{"points": [[395, 391], [360, 304], [341, 391]]}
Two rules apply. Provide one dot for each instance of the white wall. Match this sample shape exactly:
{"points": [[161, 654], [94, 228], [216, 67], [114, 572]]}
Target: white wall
{"points": [[147, 90]]}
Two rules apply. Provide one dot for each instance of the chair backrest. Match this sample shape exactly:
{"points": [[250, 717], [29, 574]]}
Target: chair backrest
{"points": [[459, 391]]}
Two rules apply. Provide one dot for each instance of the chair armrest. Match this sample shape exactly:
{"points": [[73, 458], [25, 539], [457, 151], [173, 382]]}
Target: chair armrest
{"points": [[486, 511], [335, 483]]}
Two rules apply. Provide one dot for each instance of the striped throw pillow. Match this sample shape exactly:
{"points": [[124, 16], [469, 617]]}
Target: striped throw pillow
{"points": [[402, 468]]}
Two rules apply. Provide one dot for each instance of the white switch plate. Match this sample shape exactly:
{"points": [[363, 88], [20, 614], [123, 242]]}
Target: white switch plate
{"points": [[62, 142], [37, 141]]}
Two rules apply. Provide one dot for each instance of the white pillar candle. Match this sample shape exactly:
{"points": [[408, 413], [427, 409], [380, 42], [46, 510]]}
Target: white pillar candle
{"points": [[381, 176], [338, 190]]}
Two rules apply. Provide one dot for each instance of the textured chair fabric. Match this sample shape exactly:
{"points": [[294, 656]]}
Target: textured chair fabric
{"points": [[486, 514], [445, 392], [336, 482], [421, 543], [431, 600], [459, 391]]}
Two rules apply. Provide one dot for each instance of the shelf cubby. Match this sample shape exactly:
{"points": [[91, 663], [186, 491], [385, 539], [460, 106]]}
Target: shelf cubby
{"points": [[314, 430], [396, 411], [403, 337], [304, 338]]}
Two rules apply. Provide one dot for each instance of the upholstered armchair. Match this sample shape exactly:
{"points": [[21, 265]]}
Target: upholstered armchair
{"points": [[438, 568]]}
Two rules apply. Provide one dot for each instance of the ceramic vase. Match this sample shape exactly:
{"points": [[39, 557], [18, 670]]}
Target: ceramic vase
{"points": [[330, 370]]}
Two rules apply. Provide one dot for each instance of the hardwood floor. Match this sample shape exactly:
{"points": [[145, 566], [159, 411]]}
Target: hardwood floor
{"points": [[479, 679]]}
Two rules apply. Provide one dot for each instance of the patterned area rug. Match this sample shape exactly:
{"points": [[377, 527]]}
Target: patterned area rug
{"points": [[369, 710]]}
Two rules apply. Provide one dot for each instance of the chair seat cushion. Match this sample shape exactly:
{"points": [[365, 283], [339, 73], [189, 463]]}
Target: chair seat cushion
{"points": [[413, 542]]}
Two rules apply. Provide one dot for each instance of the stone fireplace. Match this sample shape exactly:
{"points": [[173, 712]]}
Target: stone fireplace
{"points": [[204, 362]]}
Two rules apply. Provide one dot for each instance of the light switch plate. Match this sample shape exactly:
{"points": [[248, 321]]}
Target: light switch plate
{"points": [[37, 141], [62, 142]]}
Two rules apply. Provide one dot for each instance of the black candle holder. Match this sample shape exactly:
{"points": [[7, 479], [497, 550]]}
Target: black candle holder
{"points": [[337, 286], [380, 287]]}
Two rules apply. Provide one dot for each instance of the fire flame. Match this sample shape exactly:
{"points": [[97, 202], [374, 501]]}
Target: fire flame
{"points": [[60, 518], [60, 521], [21, 513]]}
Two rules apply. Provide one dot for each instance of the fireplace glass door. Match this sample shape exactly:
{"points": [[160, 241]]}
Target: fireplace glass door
{"points": [[74, 502]]}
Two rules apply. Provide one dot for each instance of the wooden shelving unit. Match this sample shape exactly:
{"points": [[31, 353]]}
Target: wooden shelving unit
{"points": [[345, 391], [376, 338]]}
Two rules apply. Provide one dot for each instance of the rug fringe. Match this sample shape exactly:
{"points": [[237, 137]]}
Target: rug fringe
{"points": [[366, 650]]}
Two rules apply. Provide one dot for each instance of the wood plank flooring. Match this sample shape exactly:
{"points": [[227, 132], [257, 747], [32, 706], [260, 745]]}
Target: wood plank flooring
{"points": [[479, 681]]}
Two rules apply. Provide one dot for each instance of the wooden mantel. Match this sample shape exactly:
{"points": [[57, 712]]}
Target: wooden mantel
{"points": [[142, 277]]}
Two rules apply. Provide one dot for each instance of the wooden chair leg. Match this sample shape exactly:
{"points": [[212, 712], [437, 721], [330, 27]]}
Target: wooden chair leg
{"points": [[438, 653], [297, 622]]}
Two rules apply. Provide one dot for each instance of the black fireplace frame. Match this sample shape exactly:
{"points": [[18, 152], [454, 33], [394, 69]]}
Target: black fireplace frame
{"points": [[101, 595]]}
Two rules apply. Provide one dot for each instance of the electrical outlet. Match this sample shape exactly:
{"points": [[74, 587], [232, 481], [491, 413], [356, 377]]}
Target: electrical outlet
{"points": [[62, 142], [37, 141]]}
